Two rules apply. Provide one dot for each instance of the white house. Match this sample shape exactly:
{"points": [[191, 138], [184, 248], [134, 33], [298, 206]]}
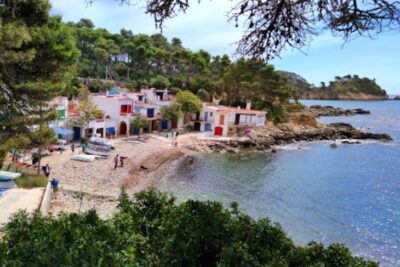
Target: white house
{"points": [[123, 107], [223, 120]]}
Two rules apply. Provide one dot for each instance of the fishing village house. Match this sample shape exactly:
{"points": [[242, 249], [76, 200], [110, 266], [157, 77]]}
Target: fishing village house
{"points": [[223, 121], [120, 108]]}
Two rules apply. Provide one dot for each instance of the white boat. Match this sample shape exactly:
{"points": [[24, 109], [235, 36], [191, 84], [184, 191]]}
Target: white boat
{"points": [[100, 142], [82, 157], [95, 152], [8, 176], [7, 185]]}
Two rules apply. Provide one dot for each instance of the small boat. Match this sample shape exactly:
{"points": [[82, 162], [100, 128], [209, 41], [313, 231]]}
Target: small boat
{"points": [[82, 157], [7, 185], [101, 142], [2, 191], [96, 152], [8, 176]]}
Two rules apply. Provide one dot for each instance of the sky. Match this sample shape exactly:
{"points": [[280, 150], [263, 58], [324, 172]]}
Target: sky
{"points": [[205, 26]]}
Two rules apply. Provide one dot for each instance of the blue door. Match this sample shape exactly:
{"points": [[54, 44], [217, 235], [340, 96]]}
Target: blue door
{"points": [[150, 113], [164, 125], [206, 116], [77, 133], [207, 127]]}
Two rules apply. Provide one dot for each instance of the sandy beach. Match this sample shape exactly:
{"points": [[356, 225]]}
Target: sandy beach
{"points": [[87, 185]]}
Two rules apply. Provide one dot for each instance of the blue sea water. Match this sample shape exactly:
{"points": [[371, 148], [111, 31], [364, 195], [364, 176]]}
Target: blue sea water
{"points": [[347, 195]]}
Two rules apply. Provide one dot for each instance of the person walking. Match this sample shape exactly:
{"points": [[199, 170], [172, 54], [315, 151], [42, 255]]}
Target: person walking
{"points": [[116, 161], [73, 148], [121, 160], [61, 148], [54, 185], [46, 170]]}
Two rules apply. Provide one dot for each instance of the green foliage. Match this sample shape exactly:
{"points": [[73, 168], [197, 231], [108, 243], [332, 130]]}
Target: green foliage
{"points": [[31, 181], [171, 112], [276, 114], [37, 58], [293, 107], [204, 95], [174, 90], [152, 230], [88, 112], [298, 84], [347, 86], [252, 79], [140, 122], [188, 102], [159, 82]]}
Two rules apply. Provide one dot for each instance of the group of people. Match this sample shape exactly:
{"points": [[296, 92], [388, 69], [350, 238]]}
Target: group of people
{"points": [[54, 182], [174, 139], [120, 159]]}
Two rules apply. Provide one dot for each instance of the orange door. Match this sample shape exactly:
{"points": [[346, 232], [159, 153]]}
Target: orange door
{"points": [[221, 119]]}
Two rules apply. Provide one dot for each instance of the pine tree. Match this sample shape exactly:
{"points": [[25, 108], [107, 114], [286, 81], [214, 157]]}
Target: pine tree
{"points": [[37, 58]]}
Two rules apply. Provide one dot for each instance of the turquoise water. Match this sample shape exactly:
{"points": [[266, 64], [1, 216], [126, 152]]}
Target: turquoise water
{"points": [[348, 195]]}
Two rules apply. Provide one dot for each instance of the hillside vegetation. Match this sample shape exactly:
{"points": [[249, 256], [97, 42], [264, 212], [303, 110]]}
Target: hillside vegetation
{"points": [[347, 88]]}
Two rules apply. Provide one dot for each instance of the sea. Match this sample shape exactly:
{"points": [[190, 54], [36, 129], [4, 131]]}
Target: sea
{"points": [[348, 195]]}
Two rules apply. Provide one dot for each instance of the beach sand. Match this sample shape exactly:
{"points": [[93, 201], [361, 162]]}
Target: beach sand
{"points": [[88, 185]]}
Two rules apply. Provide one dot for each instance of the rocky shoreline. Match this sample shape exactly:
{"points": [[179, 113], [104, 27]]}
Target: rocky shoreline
{"points": [[267, 140], [301, 126], [97, 185], [320, 111]]}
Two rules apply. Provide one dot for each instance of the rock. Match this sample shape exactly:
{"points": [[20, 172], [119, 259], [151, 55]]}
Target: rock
{"points": [[333, 145], [154, 161], [274, 151], [319, 111]]}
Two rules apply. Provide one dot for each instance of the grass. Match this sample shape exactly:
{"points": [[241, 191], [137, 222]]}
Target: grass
{"points": [[31, 181]]}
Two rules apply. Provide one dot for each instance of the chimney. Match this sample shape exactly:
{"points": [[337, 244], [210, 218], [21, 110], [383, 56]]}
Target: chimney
{"points": [[248, 105]]}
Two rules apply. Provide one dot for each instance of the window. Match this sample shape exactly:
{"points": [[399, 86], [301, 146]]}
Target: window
{"points": [[211, 114], [126, 108]]}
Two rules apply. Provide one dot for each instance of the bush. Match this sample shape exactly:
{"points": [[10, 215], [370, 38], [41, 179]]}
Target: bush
{"points": [[152, 230], [31, 181], [174, 90], [293, 107], [159, 82]]}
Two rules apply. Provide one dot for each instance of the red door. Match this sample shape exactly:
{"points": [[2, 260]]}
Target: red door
{"points": [[174, 124], [123, 128], [218, 130], [221, 119]]}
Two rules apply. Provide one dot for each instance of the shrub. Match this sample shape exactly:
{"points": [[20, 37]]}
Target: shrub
{"points": [[293, 107], [159, 82], [152, 230], [31, 181]]}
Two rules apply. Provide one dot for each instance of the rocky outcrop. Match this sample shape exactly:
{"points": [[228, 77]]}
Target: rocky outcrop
{"points": [[266, 139], [153, 162], [396, 97], [319, 111]]}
